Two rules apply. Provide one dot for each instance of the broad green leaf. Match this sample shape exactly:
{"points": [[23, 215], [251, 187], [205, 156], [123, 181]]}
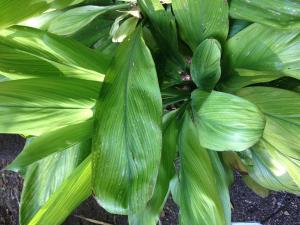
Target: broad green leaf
{"points": [[227, 122], [275, 13], [127, 146], [150, 215], [281, 109], [75, 19], [52, 142], [198, 193], [206, 64], [14, 11], [126, 28], [28, 52], [260, 54], [273, 170], [49, 93], [56, 187], [223, 184], [201, 19], [163, 28], [36, 106]]}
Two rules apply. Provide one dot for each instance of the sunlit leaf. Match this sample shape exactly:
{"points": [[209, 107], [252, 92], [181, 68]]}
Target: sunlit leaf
{"points": [[260, 54], [28, 52], [227, 122], [127, 146], [55, 187]]}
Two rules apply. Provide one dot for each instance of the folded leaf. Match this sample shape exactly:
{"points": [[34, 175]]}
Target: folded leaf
{"points": [[52, 142], [126, 28], [150, 215], [276, 13], [28, 52], [54, 186], [206, 64], [260, 54], [75, 19], [227, 122], [128, 146], [198, 193], [201, 19]]}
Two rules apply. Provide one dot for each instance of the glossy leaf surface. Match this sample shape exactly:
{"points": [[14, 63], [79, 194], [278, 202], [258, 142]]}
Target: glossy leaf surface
{"points": [[228, 122], [201, 19], [275, 13], [28, 52], [260, 54], [128, 145], [206, 64]]}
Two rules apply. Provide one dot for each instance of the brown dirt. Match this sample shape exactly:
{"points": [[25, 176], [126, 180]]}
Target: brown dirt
{"points": [[277, 209]]}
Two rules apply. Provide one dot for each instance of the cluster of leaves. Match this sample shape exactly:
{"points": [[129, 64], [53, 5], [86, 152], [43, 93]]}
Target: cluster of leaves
{"points": [[128, 100]]}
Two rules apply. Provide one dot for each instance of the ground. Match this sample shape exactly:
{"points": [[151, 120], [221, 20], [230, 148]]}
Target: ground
{"points": [[277, 209]]}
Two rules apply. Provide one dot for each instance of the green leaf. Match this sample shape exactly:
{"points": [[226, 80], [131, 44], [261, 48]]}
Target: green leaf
{"points": [[236, 26], [255, 187], [260, 54], [75, 19], [275, 13], [126, 28], [163, 28], [281, 109], [11, 14], [128, 146], [28, 52], [271, 169], [206, 64], [150, 215], [52, 142], [223, 184], [201, 19], [227, 122], [55, 187], [198, 193], [36, 106]]}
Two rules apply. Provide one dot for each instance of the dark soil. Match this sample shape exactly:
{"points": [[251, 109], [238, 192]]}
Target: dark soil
{"points": [[277, 209]]}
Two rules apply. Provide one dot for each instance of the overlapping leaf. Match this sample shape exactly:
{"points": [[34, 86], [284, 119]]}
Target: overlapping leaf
{"points": [[14, 11], [75, 19], [275, 13], [201, 19], [53, 142], [28, 52], [164, 29], [198, 194], [260, 54], [281, 109], [150, 215], [227, 122], [55, 186], [127, 146], [206, 64]]}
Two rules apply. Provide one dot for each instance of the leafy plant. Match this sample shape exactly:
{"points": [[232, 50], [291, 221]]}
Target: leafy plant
{"points": [[130, 100]]}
